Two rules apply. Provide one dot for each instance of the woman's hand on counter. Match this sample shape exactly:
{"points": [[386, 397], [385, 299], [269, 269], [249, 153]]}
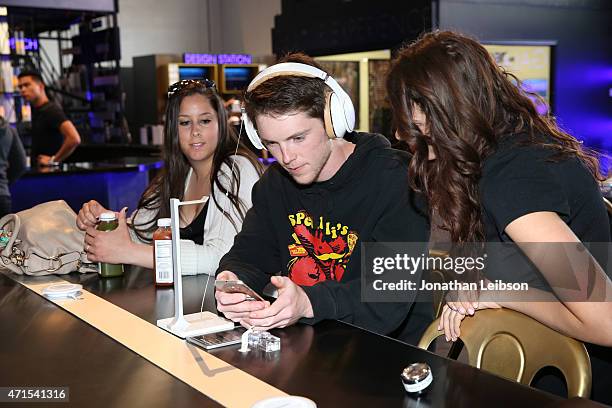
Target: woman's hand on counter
{"points": [[88, 215]]}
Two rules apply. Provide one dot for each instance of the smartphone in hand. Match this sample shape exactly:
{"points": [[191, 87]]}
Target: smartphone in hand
{"points": [[237, 286]]}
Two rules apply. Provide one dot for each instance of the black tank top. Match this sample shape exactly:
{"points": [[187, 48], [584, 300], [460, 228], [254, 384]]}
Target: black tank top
{"points": [[195, 231]]}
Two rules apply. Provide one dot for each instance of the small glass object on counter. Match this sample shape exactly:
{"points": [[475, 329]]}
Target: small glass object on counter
{"points": [[416, 378], [264, 341], [108, 222]]}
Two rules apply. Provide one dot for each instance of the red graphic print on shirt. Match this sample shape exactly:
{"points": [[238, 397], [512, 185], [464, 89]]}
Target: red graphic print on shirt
{"points": [[320, 250]]}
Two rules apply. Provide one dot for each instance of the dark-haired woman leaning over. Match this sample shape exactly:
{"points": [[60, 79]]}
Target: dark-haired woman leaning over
{"points": [[496, 171], [202, 158]]}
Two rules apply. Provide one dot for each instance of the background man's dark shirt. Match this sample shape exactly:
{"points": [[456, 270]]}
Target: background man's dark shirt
{"points": [[46, 136]]}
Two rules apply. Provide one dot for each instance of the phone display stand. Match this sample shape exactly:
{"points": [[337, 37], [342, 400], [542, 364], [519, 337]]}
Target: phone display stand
{"points": [[193, 324]]}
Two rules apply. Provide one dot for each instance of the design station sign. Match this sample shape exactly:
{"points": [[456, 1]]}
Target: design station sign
{"points": [[236, 59]]}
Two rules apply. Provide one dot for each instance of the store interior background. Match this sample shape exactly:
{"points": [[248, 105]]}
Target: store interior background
{"points": [[581, 94]]}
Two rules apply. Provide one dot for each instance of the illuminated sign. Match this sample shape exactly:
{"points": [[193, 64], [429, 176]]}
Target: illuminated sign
{"points": [[199, 58], [29, 44], [234, 59], [190, 58]]}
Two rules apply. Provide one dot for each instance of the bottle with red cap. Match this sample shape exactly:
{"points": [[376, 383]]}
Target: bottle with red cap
{"points": [[162, 253]]}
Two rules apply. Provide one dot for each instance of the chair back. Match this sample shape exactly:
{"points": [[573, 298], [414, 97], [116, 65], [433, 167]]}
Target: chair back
{"points": [[608, 205], [515, 346], [437, 276]]}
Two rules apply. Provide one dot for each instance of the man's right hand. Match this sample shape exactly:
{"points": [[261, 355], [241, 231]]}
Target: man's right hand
{"points": [[88, 214], [234, 305]]}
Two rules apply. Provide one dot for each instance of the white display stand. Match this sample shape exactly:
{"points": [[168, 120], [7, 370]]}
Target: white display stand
{"points": [[193, 324]]}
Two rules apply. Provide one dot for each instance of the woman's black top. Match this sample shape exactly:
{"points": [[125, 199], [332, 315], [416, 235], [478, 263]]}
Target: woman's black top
{"points": [[521, 179], [518, 180], [195, 231]]}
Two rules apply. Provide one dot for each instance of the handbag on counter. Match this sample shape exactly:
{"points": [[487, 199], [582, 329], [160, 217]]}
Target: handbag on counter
{"points": [[44, 240]]}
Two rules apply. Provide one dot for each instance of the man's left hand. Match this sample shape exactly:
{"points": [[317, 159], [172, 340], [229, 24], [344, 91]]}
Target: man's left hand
{"points": [[44, 160], [291, 305]]}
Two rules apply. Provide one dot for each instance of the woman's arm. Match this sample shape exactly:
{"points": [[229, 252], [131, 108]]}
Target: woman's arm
{"points": [[583, 311], [589, 320], [219, 232], [16, 157]]}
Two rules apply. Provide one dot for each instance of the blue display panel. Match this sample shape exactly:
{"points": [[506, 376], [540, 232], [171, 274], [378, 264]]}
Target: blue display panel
{"points": [[195, 73]]}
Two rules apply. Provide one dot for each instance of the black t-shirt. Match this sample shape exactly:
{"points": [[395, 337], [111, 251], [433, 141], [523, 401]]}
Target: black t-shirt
{"points": [[520, 179], [195, 231], [46, 136]]}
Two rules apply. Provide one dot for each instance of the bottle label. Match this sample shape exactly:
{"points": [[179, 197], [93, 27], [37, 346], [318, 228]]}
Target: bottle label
{"points": [[163, 261]]}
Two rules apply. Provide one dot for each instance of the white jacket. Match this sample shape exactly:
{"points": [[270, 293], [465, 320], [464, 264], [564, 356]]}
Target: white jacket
{"points": [[218, 230]]}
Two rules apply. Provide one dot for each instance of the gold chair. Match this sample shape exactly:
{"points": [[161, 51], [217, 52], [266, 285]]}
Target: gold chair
{"points": [[608, 205], [437, 276], [515, 346]]}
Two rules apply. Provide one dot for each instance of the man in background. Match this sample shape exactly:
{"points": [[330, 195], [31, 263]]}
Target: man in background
{"points": [[54, 137]]}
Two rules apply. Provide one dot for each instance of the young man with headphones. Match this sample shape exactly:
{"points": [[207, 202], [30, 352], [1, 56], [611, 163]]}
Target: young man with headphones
{"points": [[330, 190]]}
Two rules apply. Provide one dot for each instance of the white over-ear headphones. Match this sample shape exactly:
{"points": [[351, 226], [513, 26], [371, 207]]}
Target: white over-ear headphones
{"points": [[339, 116]]}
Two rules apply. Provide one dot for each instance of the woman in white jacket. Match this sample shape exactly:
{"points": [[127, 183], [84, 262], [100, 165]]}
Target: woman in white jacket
{"points": [[202, 158]]}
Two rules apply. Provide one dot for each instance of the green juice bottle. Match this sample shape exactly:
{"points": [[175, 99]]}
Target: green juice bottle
{"points": [[108, 222]]}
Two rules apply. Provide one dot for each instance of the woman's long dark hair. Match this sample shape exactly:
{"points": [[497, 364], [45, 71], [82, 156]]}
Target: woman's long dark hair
{"points": [[469, 103], [170, 181]]}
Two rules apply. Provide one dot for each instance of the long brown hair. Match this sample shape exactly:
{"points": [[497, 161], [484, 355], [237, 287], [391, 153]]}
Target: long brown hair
{"points": [[170, 181], [469, 103]]}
